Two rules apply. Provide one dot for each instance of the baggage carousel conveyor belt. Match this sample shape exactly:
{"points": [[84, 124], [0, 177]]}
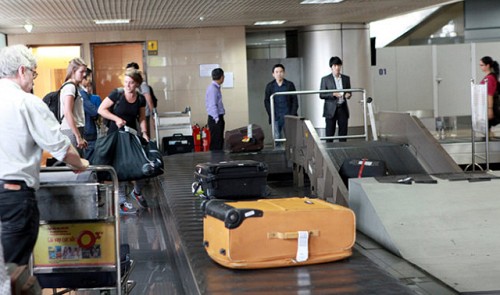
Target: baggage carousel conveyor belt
{"points": [[200, 275]]}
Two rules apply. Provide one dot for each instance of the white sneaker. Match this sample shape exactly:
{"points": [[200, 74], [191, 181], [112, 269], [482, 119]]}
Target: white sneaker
{"points": [[140, 199], [127, 208]]}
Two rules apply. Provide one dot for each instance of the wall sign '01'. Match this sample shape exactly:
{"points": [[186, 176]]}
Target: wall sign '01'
{"points": [[382, 72]]}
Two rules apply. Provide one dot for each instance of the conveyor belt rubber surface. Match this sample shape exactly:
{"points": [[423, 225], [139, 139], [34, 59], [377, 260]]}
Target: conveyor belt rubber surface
{"points": [[200, 275]]}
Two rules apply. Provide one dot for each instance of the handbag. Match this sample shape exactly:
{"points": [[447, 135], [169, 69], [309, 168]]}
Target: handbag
{"points": [[496, 106], [131, 159], [155, 156]]}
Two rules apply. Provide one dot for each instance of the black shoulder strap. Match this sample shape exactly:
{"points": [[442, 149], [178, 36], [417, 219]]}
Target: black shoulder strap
{"points": [[59, 98], [121, 92], [70, 82]]}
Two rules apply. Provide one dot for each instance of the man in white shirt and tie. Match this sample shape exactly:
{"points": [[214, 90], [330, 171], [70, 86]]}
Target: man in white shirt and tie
{"points": [[335, 110]]}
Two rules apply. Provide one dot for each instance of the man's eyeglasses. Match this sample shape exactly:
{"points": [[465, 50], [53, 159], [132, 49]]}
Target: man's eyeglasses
{"points": [[35, 74]]}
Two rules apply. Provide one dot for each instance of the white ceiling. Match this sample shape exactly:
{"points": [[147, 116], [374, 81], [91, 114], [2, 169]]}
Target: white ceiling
{"points": [[63, 16]]}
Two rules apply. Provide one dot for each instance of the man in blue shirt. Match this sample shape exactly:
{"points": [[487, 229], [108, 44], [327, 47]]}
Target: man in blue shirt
{"points": [[283, 104], [215, 110]]}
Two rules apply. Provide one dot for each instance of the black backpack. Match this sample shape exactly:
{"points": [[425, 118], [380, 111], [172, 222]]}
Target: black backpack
{"points": [[112, 109], [155, 100], [51, 99]]}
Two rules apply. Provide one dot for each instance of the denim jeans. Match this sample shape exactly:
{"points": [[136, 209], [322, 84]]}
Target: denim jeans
{"points": [[278, 130], [20, 222]]}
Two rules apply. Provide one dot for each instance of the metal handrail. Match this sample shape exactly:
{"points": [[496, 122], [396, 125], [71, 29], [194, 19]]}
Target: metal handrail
{"points": [[365, 134]]}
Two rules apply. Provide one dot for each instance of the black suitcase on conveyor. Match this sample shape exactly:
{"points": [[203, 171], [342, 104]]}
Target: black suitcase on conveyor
{"points": [[232, 180], [357, 168], [177, 144], [239, 141]]}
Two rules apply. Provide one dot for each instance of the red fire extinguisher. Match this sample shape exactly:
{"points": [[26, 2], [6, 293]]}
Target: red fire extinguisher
{"points": [[197, 138], [205, 137]]}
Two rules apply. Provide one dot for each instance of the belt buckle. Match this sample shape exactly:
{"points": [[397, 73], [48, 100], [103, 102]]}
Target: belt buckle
{"points": [[12, 186]]}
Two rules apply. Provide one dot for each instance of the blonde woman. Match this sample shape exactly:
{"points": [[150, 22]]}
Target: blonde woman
{"points": [[124, 107], [71, 103]]}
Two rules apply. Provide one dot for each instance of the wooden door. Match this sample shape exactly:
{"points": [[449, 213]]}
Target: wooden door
{"points": [[109, 61]]}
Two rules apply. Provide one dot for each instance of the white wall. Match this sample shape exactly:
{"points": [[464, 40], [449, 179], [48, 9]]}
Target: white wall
{"points": [[176, 67], [454, 65], [405, 78], [433, 77]]}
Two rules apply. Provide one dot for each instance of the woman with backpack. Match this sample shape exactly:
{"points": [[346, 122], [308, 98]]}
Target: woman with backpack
{"points": [[147, 91], [71, 104], [124, 107]]}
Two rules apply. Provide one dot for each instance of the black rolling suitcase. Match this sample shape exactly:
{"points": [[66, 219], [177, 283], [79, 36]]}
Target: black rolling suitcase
{"points": [[177, 144], [232, 180], [357, 168], [239, 140]]}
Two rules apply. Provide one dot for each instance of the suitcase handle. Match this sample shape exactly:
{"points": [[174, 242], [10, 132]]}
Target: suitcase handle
{"points": [[290, 235], [259, 166], [361, 168], [231, 216]]}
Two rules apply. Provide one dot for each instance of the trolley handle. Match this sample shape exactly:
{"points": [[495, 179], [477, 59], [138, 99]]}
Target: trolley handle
{"points": [[97, 168]]}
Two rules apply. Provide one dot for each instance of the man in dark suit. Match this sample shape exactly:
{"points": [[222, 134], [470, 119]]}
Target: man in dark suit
{"points": [[335, 109]]}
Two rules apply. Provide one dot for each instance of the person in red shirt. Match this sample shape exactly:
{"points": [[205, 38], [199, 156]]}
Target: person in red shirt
{"points": [[491, 69]]}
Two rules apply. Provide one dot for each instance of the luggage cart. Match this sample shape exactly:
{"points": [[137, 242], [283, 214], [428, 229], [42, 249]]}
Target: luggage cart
{"points": [[78, 245], [170, 123]]}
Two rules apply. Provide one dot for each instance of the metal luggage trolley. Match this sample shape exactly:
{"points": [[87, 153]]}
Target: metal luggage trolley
{"points": [[78, 245], [170, 123]]}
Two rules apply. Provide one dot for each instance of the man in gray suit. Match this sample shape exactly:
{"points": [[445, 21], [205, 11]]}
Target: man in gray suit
{"points": [[335, 109]]}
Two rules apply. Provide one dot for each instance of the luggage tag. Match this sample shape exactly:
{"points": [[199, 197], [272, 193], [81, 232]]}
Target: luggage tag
{"points": [[302, 246], [249, 135]]}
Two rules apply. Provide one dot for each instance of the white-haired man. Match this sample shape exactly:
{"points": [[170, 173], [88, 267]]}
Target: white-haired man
{"points": [[28, 127]]}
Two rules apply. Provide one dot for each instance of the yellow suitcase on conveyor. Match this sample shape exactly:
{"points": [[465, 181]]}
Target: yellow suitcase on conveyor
{"points": [[277, 232]]}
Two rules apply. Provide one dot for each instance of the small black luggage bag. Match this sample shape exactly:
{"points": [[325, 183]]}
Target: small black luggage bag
{"points": [[244, 139], [357, 168], [232, 180], [177, 144]]}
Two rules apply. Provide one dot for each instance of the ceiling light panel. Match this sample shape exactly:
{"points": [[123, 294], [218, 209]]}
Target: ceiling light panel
{"points": [[270, 23], [320, 1], [111, 21]]}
